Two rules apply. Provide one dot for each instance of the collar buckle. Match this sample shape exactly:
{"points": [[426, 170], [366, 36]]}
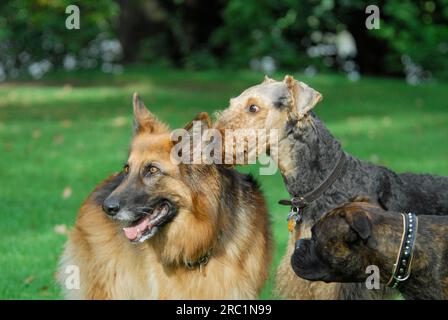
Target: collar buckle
{"points": [[294, 218], [302, 202], [299, 202], [200, 263]]}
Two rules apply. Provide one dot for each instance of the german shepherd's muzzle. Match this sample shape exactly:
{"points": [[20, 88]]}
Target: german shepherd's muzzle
{"points": [[140, 213]]}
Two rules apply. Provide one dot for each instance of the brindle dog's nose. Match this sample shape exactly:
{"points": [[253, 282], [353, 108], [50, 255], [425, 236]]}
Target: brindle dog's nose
{"points": [[111, 206]]}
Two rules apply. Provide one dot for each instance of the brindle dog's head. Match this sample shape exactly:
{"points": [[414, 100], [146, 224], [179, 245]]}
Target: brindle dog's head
{"points": [[269, 105], [158, 196], [343, 243]]}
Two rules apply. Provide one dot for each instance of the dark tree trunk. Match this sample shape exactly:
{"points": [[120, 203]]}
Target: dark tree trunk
{"points": [[178, 28], [134, 24]]}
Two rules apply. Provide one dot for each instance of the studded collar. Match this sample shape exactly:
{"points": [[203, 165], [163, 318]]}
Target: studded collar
{"points": [[402, 267]]}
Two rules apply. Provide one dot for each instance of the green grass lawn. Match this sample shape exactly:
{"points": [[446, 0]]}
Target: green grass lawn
{"points": [[62, 135]]}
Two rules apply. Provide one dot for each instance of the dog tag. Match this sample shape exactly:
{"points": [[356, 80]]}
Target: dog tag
{"points": [[293, 218], [291, 225]]}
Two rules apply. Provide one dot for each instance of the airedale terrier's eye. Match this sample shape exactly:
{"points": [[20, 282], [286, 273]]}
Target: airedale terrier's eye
{"points": [[126, 168], [254, 108]]}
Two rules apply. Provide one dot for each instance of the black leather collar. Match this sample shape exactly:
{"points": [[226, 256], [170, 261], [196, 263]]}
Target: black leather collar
{"points": [[299, 203], [202, 261], [403, 264], [303, 201], [199, 263]]}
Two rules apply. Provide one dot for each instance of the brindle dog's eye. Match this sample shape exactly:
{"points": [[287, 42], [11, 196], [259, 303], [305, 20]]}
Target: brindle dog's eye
{"points": [[253, 108], [126, 169]]}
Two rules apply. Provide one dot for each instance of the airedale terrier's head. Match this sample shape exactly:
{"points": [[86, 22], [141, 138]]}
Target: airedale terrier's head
{"points": [[269, 105]]}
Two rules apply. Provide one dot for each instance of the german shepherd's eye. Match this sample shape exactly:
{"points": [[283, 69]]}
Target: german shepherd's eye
{"points": [[253, 108], [150, 169], [126, 168]]}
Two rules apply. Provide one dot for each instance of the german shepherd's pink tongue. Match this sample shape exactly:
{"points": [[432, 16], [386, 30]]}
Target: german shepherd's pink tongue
{"points": [[133, 232]]}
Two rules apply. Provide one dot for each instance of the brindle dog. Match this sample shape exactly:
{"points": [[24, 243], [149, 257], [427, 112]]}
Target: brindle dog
{"points": [[350, 238]]}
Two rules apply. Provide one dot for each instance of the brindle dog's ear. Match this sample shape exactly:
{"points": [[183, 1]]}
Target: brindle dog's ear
{"points": [[304, 97], [145, 121], [360, 223]]}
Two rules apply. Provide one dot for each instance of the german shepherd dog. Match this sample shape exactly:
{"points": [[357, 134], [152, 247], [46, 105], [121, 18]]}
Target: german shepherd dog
{"points": [[159, 230]]}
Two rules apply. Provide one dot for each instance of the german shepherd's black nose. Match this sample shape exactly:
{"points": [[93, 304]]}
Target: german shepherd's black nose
{"points": [[111, 206]]}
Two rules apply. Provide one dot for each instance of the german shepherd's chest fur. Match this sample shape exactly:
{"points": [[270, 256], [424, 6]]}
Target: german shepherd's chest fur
{"points": [[111, 267]]}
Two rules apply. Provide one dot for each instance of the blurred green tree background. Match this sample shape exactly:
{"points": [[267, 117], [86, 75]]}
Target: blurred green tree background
{"points": [[309, 35]]}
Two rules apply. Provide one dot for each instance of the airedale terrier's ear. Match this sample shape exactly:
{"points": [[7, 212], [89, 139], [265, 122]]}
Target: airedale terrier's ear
{"points": [[145, 121], [304, 97]]}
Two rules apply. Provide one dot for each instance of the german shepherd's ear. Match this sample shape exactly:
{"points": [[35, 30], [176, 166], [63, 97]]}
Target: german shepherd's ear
{"points": [[304, 97], [191, 130], [145, 121], [203, 117], [211, 142]]}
